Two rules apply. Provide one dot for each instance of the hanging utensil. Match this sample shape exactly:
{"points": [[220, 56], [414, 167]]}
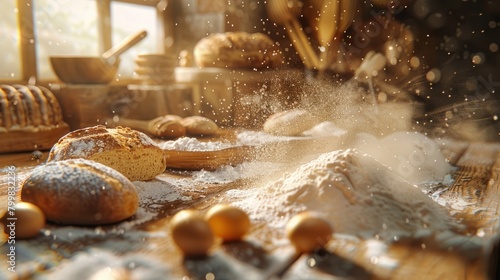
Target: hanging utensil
{"points": [[333, 18], [285, 12], [347, 12], [328, 24]]}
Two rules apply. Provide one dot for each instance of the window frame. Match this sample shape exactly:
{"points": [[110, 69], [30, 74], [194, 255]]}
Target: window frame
{"points": [[28, 40]]}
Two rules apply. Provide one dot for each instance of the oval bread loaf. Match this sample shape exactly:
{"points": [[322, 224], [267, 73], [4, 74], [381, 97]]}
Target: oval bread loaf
{"points": [[237, 50], [199, 126], [80, 192], [167, 127], [290, 123], [130, 152]]}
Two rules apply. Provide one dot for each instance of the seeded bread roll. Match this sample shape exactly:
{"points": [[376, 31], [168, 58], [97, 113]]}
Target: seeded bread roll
{"points": [[237, 50], [199, 126], [80, 192], [290, 123], [130, 152]]}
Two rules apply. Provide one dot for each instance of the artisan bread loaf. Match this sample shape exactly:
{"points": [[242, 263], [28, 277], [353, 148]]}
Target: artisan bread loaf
{"points": [[130, 152], [199, 126], [167, 126], [290, 123], [28, 108], [237, 50], [80, 192]]}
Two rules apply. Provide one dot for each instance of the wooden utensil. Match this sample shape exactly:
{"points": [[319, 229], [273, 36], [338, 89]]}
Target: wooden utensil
{"points": [[285, 12], [347, 12], [328, 24], [112, 54], [93, 70], [208, 160], [163, 127], [321, 14]]}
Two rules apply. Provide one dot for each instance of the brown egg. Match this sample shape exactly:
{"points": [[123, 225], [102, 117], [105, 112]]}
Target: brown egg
{"points": [[308, 232], [191, 233], [24, 221], [228, 222]]}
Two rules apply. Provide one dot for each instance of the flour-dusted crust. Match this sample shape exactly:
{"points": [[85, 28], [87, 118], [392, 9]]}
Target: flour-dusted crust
{"points": [[290, 123], [237, 50], [80, 192], [199, 126], [130, 152]]}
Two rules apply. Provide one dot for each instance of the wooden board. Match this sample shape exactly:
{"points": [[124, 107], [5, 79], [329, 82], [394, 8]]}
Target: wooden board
{"points": [[260, 256], [28, 141]]}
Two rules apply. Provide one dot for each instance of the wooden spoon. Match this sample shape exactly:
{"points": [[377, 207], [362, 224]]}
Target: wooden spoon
{"points": [[285, 12], [111, 55]]}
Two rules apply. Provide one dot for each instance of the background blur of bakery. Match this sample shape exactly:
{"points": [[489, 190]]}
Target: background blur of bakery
{"points": [[450, 60]]}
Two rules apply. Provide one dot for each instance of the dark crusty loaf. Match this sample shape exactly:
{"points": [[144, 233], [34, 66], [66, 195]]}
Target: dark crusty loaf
{"points": [[80, 192]]}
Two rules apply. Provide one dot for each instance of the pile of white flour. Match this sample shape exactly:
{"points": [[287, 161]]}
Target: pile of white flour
{"points": [[355, 193]]}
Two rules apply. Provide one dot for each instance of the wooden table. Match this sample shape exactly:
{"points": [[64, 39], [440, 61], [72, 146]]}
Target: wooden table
{"points": [[144, 244]]}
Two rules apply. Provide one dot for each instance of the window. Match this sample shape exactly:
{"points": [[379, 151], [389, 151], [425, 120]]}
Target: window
{"points": [[64, 27], [127, 19], [63, 31], [10, 60]]}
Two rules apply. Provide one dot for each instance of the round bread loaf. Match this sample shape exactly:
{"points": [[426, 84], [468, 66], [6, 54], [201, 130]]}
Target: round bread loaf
{"points": [[130, 152], [80, 192], [199, 126], [290, 123], [237, 50]]}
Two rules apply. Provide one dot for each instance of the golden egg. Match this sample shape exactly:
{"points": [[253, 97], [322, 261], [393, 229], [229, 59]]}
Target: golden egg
{"points": [[24, 220], [228, 222], [308, 232], [191, 233]]}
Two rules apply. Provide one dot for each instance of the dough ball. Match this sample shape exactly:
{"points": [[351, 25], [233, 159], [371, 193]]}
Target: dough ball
{"points": [[290, 123]]}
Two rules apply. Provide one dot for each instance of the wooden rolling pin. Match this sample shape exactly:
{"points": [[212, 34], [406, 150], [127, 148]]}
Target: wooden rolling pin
{"points": [[168, 126]]}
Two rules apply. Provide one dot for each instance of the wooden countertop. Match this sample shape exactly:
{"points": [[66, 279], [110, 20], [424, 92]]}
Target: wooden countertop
{"points": [[143, 245]]}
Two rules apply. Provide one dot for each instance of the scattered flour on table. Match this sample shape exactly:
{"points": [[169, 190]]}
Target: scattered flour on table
{"points": [[85, 265], [355, 193], [158, 191], [255, 138], [325, 129], [193, 144], [243, 138], [227, 173]]}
